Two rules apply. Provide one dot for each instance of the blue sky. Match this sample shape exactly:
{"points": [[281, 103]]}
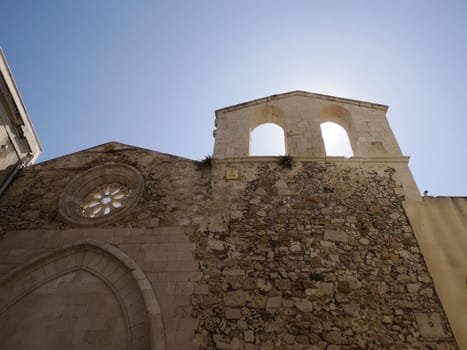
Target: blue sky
{"points": [[152, 73]]}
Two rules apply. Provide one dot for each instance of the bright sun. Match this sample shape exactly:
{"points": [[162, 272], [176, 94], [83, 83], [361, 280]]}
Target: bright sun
{"points": [[336, 140], [268, 140]]}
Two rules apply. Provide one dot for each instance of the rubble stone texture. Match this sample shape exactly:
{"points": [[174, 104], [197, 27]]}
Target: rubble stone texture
{"points": [[320, 256]]}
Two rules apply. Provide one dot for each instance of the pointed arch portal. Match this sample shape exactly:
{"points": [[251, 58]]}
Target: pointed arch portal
{"points": [[98, 262]]}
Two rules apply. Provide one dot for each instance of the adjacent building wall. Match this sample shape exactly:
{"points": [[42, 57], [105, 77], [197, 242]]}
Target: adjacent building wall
{"points": [[19, 144], [440, 224]]}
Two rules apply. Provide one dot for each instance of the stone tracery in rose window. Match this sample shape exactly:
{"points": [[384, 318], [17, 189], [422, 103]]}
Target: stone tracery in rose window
{"points": [[104, 200]]}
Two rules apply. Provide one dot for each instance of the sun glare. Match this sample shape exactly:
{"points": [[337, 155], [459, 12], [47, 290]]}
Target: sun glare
{"points": [[267, 140], [336, 140]]}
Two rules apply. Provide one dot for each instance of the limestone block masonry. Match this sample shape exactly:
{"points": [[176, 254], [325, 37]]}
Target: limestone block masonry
{"points": [[236, 253], [300, 114]]}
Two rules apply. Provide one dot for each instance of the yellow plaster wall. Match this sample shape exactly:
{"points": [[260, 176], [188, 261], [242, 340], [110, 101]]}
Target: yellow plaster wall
{"points": [[440, 225]]}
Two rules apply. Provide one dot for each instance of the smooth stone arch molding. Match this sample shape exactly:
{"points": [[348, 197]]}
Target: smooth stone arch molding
{"points": [[124, 277], [86, 182]]}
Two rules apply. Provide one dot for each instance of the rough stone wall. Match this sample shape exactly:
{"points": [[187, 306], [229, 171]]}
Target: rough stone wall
{"points": [[250, 255], [320, 256]]}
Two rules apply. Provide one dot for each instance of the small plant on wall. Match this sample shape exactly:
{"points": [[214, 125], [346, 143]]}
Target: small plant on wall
{"points": [[286, 162], [205, 163]]}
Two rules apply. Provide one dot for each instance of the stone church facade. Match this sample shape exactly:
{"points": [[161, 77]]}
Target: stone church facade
{"points": [[119, 247]]}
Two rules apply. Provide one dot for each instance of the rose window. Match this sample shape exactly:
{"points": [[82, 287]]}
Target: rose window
{"points": [[104, 200], [101, 194]]}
